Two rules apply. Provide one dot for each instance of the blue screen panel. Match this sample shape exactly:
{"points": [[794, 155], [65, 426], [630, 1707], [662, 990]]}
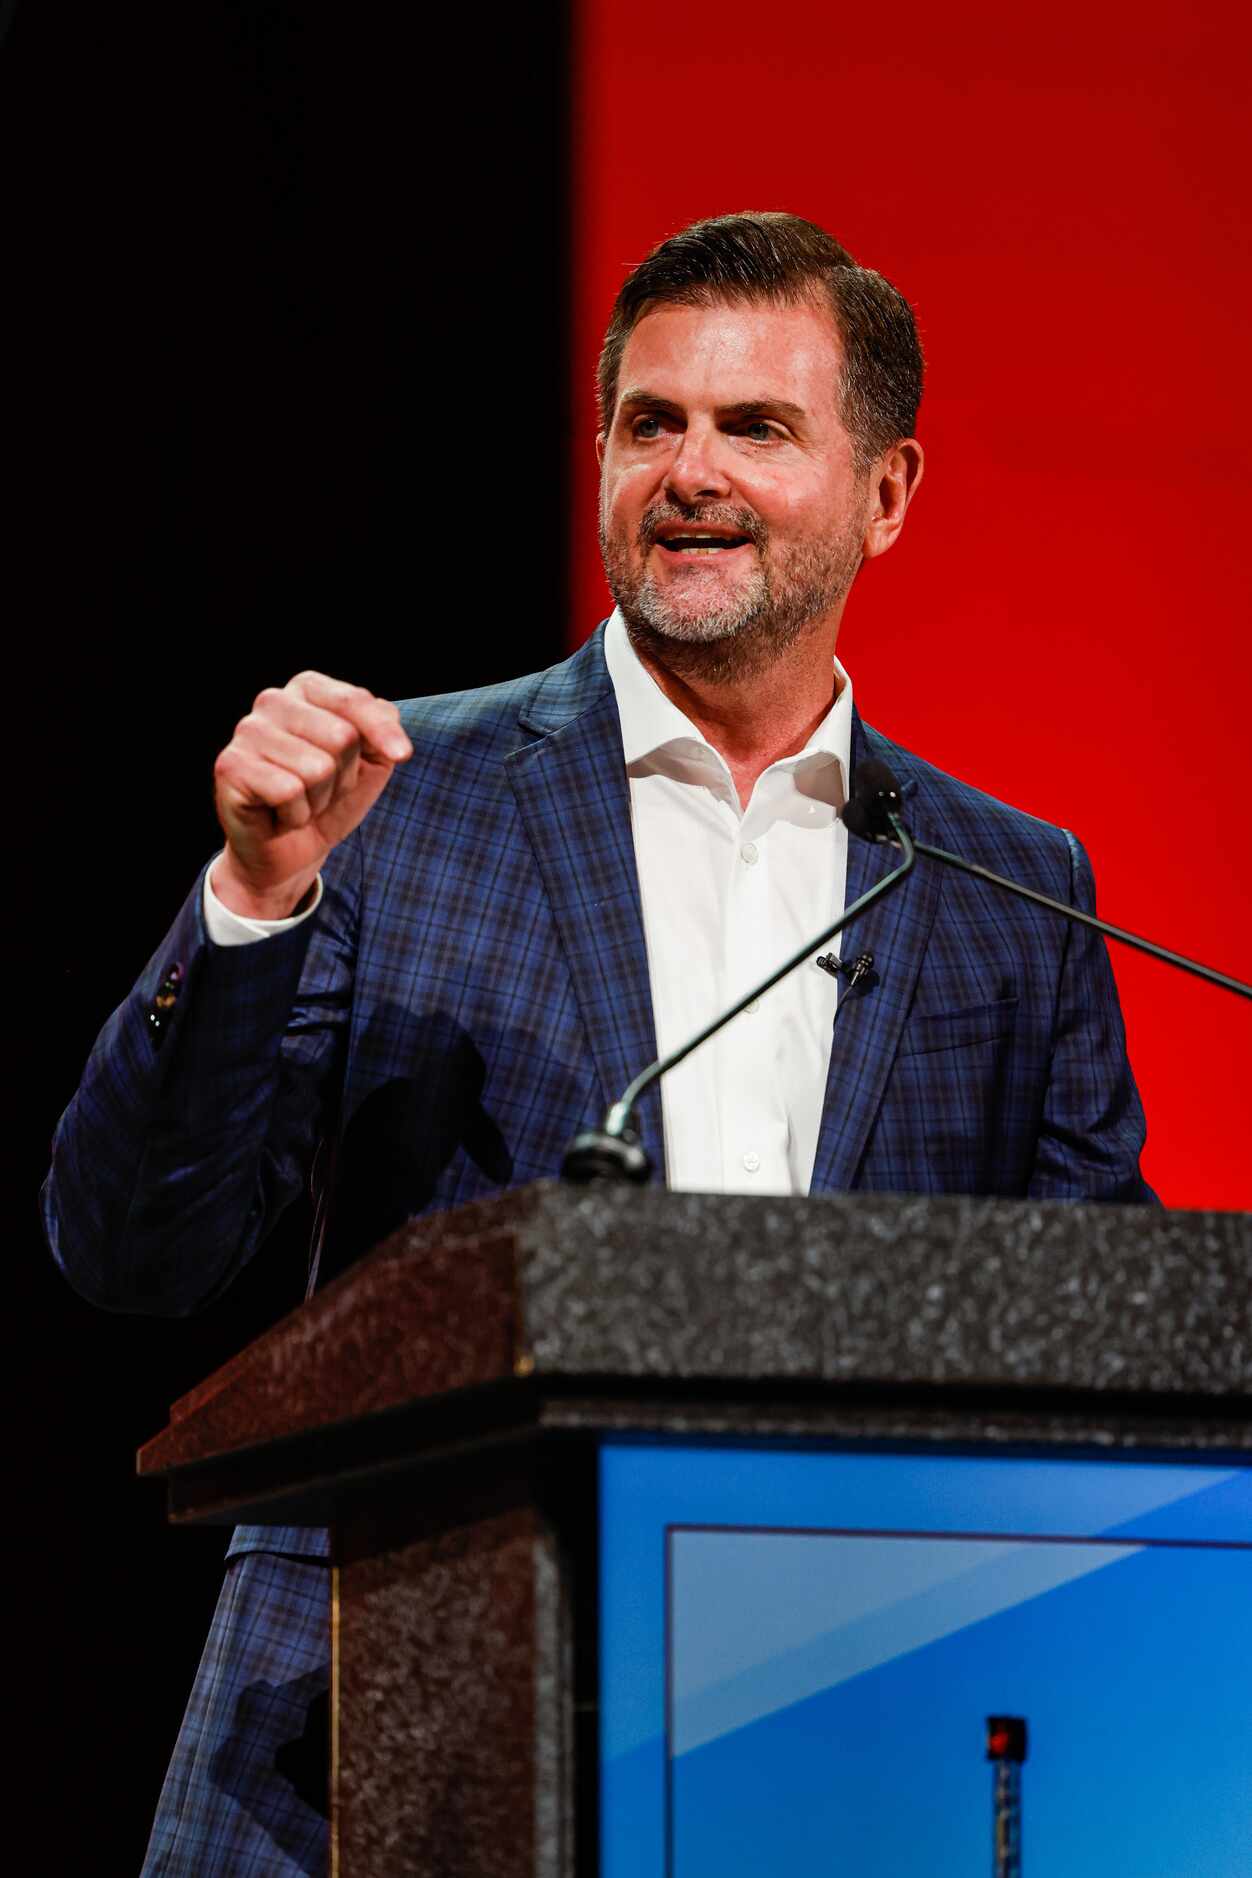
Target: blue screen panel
{"points": [[800, 1651]]}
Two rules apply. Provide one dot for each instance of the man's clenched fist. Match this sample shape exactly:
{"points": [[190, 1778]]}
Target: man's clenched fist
{"points": [[303, 768]]}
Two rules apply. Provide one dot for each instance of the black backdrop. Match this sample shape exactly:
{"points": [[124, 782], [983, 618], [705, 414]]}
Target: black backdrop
{"points": [[282, 312]]}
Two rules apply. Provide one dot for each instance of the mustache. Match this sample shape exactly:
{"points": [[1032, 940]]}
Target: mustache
{"points": [[713, 514]]}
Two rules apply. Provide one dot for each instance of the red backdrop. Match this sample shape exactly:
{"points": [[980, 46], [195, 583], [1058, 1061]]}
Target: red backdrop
{"points": [[1062, 193]]}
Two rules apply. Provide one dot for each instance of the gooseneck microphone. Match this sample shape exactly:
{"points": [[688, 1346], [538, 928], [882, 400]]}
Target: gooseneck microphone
{"points": [[884, 785], [614, 1152]]}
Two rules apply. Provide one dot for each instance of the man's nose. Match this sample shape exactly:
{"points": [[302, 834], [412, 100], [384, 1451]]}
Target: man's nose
{"points": [[698, 471]]}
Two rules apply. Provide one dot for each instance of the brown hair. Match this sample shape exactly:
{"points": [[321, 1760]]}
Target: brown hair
{"points": [[779, 258]]}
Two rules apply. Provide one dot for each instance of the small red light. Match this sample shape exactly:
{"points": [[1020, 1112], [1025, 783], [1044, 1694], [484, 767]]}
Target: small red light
{"points": [[1006, 1738]]}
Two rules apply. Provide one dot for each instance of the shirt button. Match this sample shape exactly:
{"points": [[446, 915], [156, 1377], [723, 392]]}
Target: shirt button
{"points": [[752, 1160], [750, 853], [754, 1006]]}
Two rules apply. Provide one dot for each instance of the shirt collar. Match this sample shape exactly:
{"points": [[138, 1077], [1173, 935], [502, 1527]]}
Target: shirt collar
{"points": [[652, 722]]}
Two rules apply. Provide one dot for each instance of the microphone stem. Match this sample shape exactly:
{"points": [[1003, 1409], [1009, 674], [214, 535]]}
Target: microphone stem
{"points": [[618, 1117], [1087, 919]]}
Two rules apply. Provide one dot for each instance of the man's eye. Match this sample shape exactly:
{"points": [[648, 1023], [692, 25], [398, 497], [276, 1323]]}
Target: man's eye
{"points": [[758, 431], [646, 427]]}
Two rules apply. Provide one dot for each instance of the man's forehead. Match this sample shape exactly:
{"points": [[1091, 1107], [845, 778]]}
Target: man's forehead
{"points": [[785, 352]]}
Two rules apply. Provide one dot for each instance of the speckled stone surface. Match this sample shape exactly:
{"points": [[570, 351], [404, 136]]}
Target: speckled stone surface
{"points": [[921, 1291], [408, 1321], [440, 1685], [842, 1291]]}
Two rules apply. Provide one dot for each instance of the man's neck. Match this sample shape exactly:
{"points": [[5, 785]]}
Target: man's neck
{"points": [[761, 717]]}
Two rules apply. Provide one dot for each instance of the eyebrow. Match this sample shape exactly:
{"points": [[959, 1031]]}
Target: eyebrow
{"points": [[638, 397]]}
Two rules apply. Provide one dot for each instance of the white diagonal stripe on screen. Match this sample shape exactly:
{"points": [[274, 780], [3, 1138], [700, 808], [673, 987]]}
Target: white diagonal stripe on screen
{"points": [[975, 1580]]}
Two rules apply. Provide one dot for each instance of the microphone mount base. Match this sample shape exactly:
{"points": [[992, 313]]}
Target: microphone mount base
{"points": [[596, 1157]]}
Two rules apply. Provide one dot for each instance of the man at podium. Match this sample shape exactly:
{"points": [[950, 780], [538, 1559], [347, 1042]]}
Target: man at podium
{"points": [[440, 938]]}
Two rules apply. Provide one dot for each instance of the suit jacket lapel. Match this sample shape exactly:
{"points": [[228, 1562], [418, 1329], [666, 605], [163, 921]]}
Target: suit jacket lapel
{"points": [[573, 797], [868, 1026]]}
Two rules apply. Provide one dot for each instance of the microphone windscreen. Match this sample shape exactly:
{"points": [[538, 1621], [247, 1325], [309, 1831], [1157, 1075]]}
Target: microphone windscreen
{"points": [[874, 792]]}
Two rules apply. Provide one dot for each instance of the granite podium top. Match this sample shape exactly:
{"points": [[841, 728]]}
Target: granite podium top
{"points": [[629, 1295]]}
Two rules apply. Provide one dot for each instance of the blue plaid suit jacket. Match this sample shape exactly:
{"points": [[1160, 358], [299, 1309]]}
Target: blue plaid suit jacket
{"points": [[474, 989]]}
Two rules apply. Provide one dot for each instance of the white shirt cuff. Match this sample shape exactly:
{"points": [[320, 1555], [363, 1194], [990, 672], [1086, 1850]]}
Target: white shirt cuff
{"points": [[232, 929]]}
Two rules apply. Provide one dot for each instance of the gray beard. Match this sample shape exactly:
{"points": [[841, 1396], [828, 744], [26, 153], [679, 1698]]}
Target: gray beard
{"points": [[744, 638]]}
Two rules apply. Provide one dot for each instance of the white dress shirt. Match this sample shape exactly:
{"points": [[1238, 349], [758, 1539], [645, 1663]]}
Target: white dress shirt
{"points": [[727, 893]]}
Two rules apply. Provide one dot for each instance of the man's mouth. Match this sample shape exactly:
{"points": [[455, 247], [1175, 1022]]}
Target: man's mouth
{"points": [[698, 541]]}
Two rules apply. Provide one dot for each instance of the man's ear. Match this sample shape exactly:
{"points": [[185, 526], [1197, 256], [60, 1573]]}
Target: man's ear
{"points": [[601, 440], [899, 476]]}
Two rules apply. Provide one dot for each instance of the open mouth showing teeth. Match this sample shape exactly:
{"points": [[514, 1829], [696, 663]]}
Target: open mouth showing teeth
{"points": [[701, 544]]}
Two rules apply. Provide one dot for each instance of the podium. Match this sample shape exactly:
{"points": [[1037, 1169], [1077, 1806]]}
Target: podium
{"points": [[445, 1404]]}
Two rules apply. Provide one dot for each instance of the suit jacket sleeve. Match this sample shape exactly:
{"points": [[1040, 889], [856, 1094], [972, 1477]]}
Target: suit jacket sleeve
{"points": [[1092, 1127], [185, 1141]]}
